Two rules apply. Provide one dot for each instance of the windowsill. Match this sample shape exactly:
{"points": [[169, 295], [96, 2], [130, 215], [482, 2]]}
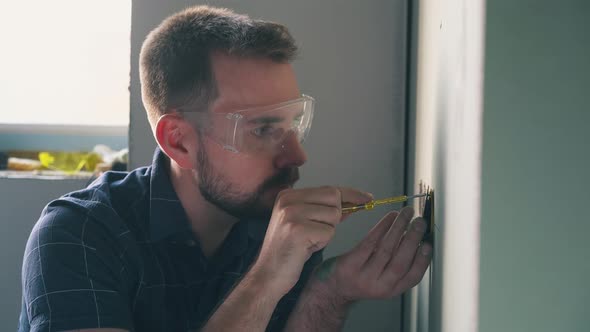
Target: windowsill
{"points": [[44, 175]]}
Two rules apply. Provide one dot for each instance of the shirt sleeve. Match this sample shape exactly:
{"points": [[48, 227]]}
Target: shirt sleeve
{"points": [[287, 303], [72, 274]]}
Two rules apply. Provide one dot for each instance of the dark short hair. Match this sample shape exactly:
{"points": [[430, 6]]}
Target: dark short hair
{"points": [[175, 59]]}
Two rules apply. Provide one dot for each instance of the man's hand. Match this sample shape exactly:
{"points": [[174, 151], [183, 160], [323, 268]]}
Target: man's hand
{"points": [[303, 221], [387, 262]]}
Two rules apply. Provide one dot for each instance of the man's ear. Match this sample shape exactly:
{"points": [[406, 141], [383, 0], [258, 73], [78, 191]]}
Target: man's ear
{"points": [[177, 139]]}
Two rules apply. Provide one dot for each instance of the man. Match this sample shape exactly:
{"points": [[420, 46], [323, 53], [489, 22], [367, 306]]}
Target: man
{"points": [[212, 236]]}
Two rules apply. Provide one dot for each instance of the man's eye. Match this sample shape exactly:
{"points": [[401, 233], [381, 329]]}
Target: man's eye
{"points": [[263, 131]]}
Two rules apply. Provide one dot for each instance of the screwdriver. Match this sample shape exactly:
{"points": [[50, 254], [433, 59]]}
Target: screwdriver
{"points": [[370, 205]]}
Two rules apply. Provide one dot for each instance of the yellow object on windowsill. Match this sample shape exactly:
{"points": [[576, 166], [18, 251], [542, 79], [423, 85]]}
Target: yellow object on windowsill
{"points": [[70, 162], [23, 164]]}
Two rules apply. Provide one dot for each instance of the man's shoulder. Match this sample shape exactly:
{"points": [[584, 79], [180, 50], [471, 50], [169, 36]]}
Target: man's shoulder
{"points": [[114, 191], [84, 255], [113, 200], [104, 218]]}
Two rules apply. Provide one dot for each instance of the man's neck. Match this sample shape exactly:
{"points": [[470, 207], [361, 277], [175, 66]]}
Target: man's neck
{"points": [[210, 224]]}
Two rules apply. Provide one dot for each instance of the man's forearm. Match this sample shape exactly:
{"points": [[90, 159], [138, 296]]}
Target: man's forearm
{"points": [[247, 308], [318, 309]]}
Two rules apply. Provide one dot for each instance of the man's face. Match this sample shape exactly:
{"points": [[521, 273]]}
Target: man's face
{"points": [[246, 185]]}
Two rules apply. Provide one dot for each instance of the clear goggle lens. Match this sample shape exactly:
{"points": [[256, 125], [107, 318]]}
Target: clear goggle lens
{"points": [[263, 130]]}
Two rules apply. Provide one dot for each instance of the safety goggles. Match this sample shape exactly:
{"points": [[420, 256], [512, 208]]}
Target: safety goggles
{"points": [[260, 130]]}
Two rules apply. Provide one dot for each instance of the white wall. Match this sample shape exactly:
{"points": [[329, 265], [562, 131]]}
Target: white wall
{"points": [[511, 182], [353, 63], [447, 158]]}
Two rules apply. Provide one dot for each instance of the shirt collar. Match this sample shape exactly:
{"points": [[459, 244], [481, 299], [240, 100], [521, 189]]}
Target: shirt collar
{"points": [[167, 217]]}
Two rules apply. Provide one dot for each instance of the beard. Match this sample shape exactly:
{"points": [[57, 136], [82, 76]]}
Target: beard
{"points": [[223, 194]]}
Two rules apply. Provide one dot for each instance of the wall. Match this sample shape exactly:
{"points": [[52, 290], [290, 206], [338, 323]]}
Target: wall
{"points": [[353, 63], [521, 262], [21, 202], [534, 230], [445, 154]]}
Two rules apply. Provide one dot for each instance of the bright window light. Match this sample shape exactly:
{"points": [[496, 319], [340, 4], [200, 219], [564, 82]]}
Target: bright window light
{"points": [[65, 62]]}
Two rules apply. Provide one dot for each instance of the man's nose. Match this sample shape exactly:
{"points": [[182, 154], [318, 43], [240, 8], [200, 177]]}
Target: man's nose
{"points": [[290, 152]]}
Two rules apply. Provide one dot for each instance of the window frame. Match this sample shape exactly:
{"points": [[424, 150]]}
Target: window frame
{"points": [[65, 129]]}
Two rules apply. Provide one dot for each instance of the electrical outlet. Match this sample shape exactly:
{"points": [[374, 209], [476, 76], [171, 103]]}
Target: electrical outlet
{"points": [[426, 207]]}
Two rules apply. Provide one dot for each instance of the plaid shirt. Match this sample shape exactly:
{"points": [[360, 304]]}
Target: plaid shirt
{"points": [[121, 254]]}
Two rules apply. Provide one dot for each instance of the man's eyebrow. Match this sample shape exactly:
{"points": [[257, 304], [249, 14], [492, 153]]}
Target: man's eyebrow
{"points": [[271, 119], [266, 120]]}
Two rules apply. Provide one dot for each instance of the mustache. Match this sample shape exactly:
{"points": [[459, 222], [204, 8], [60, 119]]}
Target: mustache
{"points": [[286, 176]]}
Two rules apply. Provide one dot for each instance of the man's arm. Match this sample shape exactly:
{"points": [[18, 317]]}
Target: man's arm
{"points": [[248, 307], [303, 222], [318, 310], [66, 276]]}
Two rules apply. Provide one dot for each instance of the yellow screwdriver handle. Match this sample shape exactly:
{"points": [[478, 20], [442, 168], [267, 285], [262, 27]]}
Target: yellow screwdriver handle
{"points": [[370, 205]]}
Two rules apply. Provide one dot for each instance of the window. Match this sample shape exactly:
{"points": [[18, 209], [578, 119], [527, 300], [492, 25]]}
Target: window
{"points": [[65, 65]]}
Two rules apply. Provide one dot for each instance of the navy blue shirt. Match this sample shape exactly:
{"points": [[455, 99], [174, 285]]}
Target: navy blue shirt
{"points": [[120, 254]]}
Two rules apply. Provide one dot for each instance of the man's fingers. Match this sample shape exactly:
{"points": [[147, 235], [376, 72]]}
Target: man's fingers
{"points": [[399, 264], [327, 195], [318, 235], [389, 242], [352, 196], [416, 273], [365, 248], [320, 213]]}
